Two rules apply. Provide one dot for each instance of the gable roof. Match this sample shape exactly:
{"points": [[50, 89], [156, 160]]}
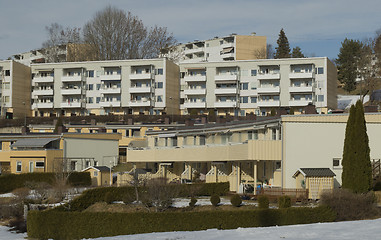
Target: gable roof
{"points": [[98, 168], [314, 172]]}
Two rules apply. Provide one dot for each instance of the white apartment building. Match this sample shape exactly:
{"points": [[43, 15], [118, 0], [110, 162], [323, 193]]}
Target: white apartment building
{"points": [[148, 86], [14, 89], [229, 48], [258, 86]]}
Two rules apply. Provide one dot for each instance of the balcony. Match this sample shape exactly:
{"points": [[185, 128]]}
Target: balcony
{"points": [[111, 77], [299, 103], [265, 76], [110, 90], [263, 90], [268, 103], [195, 78], [74, 104], [228, 55], [300, 89], [134, 76], [227, 45], [48, 79], [195, 91], [71, 78], [225, 91], [42, 105], [293, 75], [197, 104], [140, 89], [226, 77], [46, 92], [193, 50], [141, 103], [110, 104], [227, 104], [71, 91]]}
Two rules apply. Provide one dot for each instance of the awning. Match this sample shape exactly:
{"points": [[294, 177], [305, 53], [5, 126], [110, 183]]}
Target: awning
{"points": [[227, 50], [166, 135], [35, 142]]}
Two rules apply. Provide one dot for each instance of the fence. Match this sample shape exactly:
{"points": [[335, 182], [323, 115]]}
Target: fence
{"points": [[297, 194]]}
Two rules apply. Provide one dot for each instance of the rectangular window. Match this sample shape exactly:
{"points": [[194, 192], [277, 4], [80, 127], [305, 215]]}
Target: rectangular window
{"points": [[320, 70], [185, 140], [320, 98], [244, 99], [90, 100], [273, 134], [90, 87], [253, 99], [244, 86], [254, 85], [336, 162], [202, 140], [159, 98], [278, 165], [90, 73], [98, 99], [159, 84], [6, 99], [254, 72], [40, 164], [249, 135], [174, 142], [156, 141], [159, 71], [18, 167], [98, 86], [255, 135], [7, 73], [95, 174]]}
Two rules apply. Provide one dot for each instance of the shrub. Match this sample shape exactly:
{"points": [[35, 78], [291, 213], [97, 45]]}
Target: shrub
{"points": [[109, 198], [263, 202], [192, 202], [377, 186], [284, 202], [236, 200], [79, 179], [215, 200], [349, 205]]}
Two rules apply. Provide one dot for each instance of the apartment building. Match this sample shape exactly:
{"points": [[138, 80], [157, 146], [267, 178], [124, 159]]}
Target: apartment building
{"points": [[258, 86], [146, 86], [266, 151], [20, 153], [15, 89], [229, 48]]}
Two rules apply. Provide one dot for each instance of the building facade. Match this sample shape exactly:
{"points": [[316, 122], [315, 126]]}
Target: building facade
{"points": [[120, 87], [258, 86]]}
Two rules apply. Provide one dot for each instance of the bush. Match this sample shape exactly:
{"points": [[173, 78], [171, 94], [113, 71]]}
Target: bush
{"points": [[284, 202], [79, 179], [236, 200], [192, 202], [109, 198], [377, 186], [349, 205], [215, 200], [263, 202], [64, 225]]}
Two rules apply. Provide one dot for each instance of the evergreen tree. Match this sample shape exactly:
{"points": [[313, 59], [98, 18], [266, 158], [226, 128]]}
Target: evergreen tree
{"points": [[283, 49], [297, 53], [357, 170], [347, 63]]}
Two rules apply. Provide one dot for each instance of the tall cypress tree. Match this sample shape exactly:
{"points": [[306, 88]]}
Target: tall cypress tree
{"points": [[357, 169], [283, 49]]}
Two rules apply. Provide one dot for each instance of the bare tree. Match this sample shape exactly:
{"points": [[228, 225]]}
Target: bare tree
{"points": [[270, 52], [58, 39], [114, 34]]}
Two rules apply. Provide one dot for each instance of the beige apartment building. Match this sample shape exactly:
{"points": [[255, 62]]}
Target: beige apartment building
{"points": [[258, 86], [15, 89], [268, 151], [145, 86], [229, 48]]}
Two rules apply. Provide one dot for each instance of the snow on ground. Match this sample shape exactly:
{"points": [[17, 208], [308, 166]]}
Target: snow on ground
{"points": [[7, 195], [7, 235], [366, 229], [202, 201]]}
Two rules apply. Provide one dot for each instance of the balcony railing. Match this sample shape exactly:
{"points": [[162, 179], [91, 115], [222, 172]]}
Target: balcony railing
{"points": [[274, 103], [42, 92], [111, 77], [71, 78], [42, 105], [73, 104], [262, 90], [43, 79], [195, 78], [141, 103], [300, 89], [299, 103], [265, 76], [195, 91], [110, 104], [294, 75], [140, 89], [194, 104], [225, 91], [227, 104], [110, 90], [71, 91], [134, 76], [226, 77]]}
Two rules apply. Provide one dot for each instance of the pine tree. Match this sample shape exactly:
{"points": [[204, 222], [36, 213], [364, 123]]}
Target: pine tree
{"points": [[297, 53], [283, 49], [357, 170]]}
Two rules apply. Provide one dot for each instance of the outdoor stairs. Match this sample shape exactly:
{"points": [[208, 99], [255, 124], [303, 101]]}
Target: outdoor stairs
{"points": [[376, 169]]}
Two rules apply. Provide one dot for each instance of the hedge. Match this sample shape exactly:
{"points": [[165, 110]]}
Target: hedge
{"points": [[91, 196], [10, 182], [77, 225]]}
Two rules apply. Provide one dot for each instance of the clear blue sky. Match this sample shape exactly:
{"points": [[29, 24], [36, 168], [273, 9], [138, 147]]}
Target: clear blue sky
{"points": [[318, 27]]}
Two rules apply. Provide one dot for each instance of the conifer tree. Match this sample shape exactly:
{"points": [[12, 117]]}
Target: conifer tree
{"points": [[283, 49], [297, 53], [357, 170]]}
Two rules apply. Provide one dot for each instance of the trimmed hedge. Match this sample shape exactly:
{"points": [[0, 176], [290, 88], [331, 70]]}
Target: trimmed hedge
{"points": [[94, 195], [77, 225], [10, 182]]}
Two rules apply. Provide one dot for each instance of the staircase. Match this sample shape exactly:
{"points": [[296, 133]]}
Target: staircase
{"points": [[376, 168]]}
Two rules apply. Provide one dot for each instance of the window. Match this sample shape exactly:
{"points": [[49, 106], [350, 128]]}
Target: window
{"points": [[18, 167], [221, 42], [244, 99], [253, 85], [7, 73], [1, 146], [253, 99], [159, 71], [90, 87], [98, 99], [194, 140], [156, 141], [320, 70], [255, 137], [40, 164], [202, 140], [273, 134], [159, 84], [174, 141], [90, 73], [249, 135], [98, 86], [207, 45], [90, 100], [159, 98], [185, 140], [320, 98], [244, 86], [336, 162], [264, 169], [95, 174], [278, 165], [254, 72], [115, 131], [6, 99], [7, 85]]}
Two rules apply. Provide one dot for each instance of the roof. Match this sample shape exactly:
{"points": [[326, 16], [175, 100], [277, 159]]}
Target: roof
{"points": [[98, 168], [315, 172], [34, 142]]}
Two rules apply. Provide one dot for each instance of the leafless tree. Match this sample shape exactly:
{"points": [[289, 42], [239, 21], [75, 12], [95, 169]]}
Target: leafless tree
{"points": [[270, 52], [158, 194], [114, 34]]}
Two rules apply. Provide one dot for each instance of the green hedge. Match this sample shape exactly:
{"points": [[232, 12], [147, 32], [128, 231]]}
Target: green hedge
{"points": [[94, 195], [10, 182], [76, 225]]}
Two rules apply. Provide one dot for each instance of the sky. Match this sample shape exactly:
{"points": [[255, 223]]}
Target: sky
{"points": [[317, 27]]}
